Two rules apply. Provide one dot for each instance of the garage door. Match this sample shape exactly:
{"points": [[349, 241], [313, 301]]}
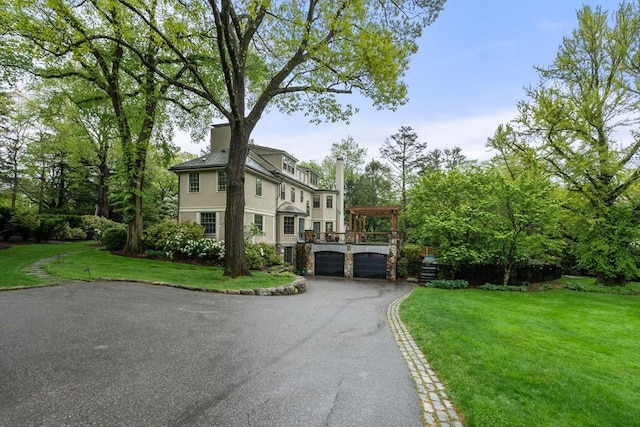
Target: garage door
{"points": [[370, 265], [329, 264]]}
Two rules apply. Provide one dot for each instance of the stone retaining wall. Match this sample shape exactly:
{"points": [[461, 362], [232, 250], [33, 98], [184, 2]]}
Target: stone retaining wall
{"points": [[298, 286]]}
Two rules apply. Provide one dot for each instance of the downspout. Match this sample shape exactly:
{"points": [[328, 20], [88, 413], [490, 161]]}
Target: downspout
{"points": [[340, 198]]}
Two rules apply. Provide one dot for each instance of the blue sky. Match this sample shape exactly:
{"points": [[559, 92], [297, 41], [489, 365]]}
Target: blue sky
{"points": [[471, 69]]}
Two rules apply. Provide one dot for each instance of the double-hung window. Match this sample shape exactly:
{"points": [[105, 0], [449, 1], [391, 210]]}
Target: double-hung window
{"points": [[194, 182], [289, 225], [258, 221], [208, 222], [222, 181]]}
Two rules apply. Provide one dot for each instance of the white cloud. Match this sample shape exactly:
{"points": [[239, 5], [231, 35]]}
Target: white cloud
{"points": [[469, 133], [311, 142]]}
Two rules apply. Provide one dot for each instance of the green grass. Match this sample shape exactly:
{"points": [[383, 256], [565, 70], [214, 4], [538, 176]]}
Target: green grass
{"points": [[14, 260], [556, 358], [589, 283], [89, 262]]}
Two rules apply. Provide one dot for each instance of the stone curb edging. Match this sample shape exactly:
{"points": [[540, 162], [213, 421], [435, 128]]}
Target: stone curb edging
{"points": [[298, 286], [437, 410]]}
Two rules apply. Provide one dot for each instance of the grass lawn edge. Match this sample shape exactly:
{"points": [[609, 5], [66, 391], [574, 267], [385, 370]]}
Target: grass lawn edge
{"points": [[40, 270]]}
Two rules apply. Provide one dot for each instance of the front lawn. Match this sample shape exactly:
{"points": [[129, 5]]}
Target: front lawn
{"points": [[89, 262], [523, 359], [15, 259]]}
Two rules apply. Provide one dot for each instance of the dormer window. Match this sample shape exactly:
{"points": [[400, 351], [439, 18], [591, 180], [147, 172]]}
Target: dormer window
{"points": [[313, 178], [288, 165]]}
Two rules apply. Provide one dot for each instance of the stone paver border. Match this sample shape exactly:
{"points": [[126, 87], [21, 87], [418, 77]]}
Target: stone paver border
{"points": [[437, 409]]}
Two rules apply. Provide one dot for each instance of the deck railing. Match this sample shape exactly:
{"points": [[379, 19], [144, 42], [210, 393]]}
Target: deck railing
{"points": [[357, 238]]}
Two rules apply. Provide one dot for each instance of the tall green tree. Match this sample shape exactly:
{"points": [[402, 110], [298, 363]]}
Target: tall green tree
{"points": [[294, 55], [447, 213], [572, 123], [406, 155], [496, 215], [106, 46], [374, 187], [19, 131], [446, 159]]}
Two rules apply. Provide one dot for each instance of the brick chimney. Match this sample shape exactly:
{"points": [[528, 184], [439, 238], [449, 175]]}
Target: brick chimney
{"points": [[340, 199]]}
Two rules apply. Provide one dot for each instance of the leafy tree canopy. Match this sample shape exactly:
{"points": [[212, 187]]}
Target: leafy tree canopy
{"points": [[573, 124]]}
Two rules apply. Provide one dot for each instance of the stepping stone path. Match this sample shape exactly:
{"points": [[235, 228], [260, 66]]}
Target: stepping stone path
{"points": [[37, 270]]}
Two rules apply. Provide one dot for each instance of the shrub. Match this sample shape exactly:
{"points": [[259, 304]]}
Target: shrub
{"points": [[95, 226], [47, 227], [409, 262], [447, 284], [157, 236], [261, 255], [114, 238], [211, 251], [24, 223], [68, 233], [492, 287], [619, 290], [5, 219]]}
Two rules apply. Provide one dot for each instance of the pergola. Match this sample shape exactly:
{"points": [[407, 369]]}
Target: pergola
{"points": [[359, 214]]}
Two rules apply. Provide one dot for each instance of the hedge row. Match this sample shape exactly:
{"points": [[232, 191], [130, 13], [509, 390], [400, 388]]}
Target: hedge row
{"points": [[44, 227]]}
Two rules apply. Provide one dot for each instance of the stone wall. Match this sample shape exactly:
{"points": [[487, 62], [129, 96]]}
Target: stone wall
{"points": [[348, 249]]}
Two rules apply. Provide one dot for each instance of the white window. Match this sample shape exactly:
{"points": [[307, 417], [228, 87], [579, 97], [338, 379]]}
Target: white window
{"points": [[289, 225], [328, 227], [329, 202], [222, 181], [289, 165], [258, 186], [258, 221], [208, 221], [194, 182]]}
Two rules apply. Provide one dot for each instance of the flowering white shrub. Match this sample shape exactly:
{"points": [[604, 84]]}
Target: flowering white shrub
{"points": [[180, 246]]}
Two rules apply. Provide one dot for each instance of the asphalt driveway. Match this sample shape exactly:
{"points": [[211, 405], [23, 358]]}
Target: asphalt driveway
{"points": [[131, 354]]}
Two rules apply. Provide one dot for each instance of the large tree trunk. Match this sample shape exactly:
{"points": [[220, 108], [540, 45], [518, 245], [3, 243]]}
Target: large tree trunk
{"points": [[135, 186], [103, 188], [235, 262], [135, 227]]}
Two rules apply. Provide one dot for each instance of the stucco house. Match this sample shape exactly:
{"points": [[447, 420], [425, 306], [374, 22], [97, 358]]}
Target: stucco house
{"points": [[282, 199]]}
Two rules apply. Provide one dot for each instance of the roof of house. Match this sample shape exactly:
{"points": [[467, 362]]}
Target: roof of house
{"points": [[261, 149], [288, 208], [219, 159]]}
